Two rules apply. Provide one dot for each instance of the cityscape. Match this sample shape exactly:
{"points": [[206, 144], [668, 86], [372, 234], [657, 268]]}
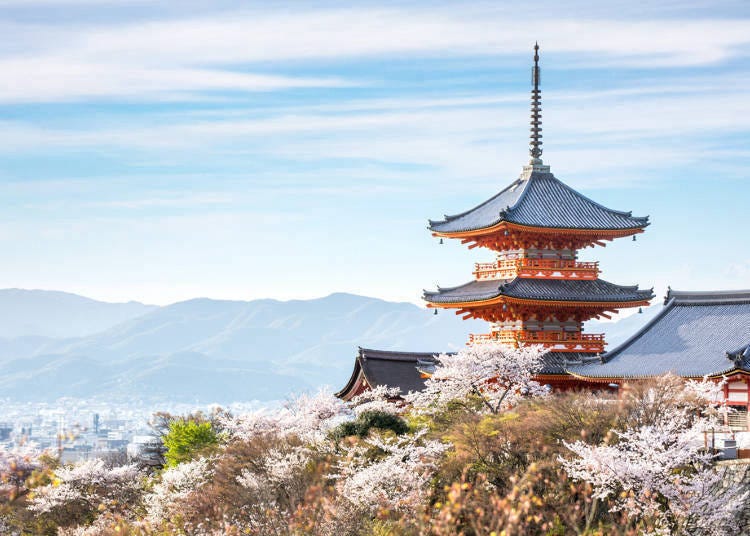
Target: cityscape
{"points": [[82, 429]]}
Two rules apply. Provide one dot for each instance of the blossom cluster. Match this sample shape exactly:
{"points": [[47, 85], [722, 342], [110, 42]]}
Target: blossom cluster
{"points": [[661, 469], [498, 376]]}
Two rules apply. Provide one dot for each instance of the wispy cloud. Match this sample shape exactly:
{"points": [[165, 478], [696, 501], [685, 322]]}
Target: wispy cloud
{"points": [[453, 137], [214, 52]]}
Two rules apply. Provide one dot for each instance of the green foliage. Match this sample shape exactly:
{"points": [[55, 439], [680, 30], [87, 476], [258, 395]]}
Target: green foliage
{"points": [[368, 420], [186, 438]]}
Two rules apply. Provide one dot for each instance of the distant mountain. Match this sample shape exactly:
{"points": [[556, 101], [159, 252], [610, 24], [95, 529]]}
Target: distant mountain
{"points": [[218, 351], [45, 313], [212, 350]]}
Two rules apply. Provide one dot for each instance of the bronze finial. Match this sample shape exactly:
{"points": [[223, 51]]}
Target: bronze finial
{"points": [[535, 143]]}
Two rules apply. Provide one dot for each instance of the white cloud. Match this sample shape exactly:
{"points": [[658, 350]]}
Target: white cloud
{"points": [[166, 56], [56, 78], [477, 137]]}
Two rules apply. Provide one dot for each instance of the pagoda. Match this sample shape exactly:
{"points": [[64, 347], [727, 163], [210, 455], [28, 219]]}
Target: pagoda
{"points": [[536, 291]]}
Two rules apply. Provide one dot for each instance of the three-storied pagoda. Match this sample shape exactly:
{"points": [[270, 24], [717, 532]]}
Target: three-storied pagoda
{"points": [[537, 291]]}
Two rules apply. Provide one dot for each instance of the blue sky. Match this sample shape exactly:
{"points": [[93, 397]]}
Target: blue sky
{"points": [[160, 151]]}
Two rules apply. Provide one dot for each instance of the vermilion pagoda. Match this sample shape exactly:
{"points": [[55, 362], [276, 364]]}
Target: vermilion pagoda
{"points": [[537, 291]]}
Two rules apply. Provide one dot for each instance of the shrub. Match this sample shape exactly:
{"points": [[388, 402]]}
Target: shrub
{"points": [[368, 420], [186, 439]]}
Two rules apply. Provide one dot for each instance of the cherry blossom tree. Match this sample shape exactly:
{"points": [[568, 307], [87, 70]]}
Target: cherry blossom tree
{"points": [[396, 477], [16, 465], [175, 485], [659, 470], [497, 375], [381, 398], [310, 417], [87, 488]]}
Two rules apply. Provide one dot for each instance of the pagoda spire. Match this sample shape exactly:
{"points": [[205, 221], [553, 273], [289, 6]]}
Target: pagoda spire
{"points": [[535, 142]]}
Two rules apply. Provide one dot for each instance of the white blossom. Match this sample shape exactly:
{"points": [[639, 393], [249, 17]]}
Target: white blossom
{"points": [[16, 465], [380, 398], [498, 375], [90, 482], [308, 417], [661, 470], [396, 479], [176, 484]]}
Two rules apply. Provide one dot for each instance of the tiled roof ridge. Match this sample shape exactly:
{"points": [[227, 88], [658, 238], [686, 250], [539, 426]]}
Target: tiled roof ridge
{"points": [[606, 356], [451, 217], [494, 288], [519, 280], [394, 355], [677, 298], [501, 283], [706, 297], [741, 350], [512, 206], [626, 213]]}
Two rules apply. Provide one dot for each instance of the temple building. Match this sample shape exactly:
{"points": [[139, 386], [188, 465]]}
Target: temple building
{"points": [[537, 292], [696, 334]]}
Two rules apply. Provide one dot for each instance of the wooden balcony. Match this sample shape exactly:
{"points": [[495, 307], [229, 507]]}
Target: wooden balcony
{"points": [[555, 341], [536, 269]]}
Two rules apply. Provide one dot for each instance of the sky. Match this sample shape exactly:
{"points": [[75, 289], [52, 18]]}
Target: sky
{"points": [[161, 151]]}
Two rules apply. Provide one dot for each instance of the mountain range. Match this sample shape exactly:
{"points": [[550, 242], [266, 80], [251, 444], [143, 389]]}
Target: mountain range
{"points": [[54, 344]]}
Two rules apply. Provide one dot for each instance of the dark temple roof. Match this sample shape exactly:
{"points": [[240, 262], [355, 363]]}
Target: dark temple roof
{"points": [[541, 200], [540, 289], [402, 369], [394, 369], [696, 334]]}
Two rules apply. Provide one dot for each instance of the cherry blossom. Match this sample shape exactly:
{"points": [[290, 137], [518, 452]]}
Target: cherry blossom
{"points": [[396, 479], [310, 417], [90, 483], [175, 485], [380, 398], [499, 376], [661, 470]]}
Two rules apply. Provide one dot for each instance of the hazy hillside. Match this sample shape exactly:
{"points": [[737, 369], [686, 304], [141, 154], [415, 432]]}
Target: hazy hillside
{"points": [[44, 313], [224, 350], [211, 350]]}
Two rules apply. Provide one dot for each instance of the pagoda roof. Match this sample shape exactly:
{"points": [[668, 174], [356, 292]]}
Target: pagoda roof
{"points": [[538, 199], [403, 369], [597, 290], [694, 335]]}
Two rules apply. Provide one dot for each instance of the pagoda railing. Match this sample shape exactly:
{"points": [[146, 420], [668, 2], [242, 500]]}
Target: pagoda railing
{"points": [[555, 341], [536, 269]]}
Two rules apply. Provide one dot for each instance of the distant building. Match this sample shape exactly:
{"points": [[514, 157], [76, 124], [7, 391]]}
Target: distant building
{"points": [[6, 429]]}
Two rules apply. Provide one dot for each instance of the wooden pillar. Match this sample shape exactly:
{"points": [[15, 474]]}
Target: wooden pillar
{"points": [[726, 401]]}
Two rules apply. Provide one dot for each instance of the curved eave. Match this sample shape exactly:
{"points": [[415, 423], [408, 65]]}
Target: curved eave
{"points": [[553, 376], [355, 380], [515, 184], [501, 299], [505, 225], [731, 371]]}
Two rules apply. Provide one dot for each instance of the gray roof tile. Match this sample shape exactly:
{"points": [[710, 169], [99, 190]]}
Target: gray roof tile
{"points": [[540, 289], [696, 334], [540, 201], [394, 369]]}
